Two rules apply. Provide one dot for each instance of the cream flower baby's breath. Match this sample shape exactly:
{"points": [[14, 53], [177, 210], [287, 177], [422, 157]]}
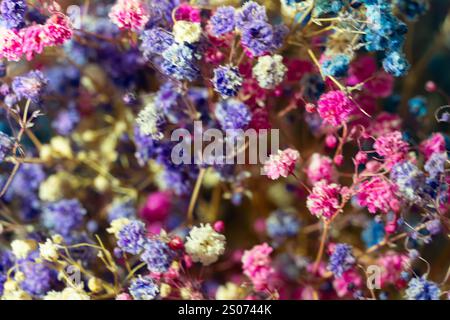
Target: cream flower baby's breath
{"points": [[69, 293], [48, 250], [186, 31], [204, 244], [21, 248]]}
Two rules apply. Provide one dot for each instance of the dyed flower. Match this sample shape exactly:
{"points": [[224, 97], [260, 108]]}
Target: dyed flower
{"points": [[34, 40], [281, 164], [335, 108], [11, 45], [378, 194], [422, 289], [269, 71], [186, 31], [122, 208], [57, 30], [435, 165], [223, 21], [155, 41], [258, 38], [347, 283], [396, 64], [250, 12], [409, 180], [320, 168], [129, 14], [132, 237], [232, 114], [337, 66], [12, 13], [180, 62], [38, 277], [205, 245], [256, 264], [150, 120], [69, 293], [66, 121], [281, 224], [187, 13], [392, 147], [393, 264], [341, 259], [435, 143], [30, 86], [143, 288], [227, 81], [323, 201], [63, 216], [157, 207], [157, 255]]}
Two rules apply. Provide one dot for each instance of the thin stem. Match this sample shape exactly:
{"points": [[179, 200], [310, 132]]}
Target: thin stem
{"points": [[326, 227], [198, 184]]}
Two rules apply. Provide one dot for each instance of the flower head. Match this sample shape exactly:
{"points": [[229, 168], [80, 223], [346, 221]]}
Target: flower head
{"points": [[204, 244], [378, 194], [63, 216], [258, 38], [422, 289], [12, 13], [256, 264], [6, 145], [232, 114], [392, 147], [132, 237], [323, 201], [30, 86], [186, 31], [250, 12], [143, 288], [341, 259], [227, 81], [157, 255], [223, 21], [281, 164], [129, 14], [335, 107], [320, 168], [269, 71], [180, 62]]}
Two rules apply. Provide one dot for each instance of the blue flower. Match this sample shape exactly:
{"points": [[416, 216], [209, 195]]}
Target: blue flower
{"points": [[249, 13], [396, 64], [412, 9], [38, 277], [181, 62], [409, 180], [322, 7], [122, 209], [227, 81], [418, 106], [232, 114], [63, 216], [421, 289], [143, 288], [373, 233], [132, 237], [435, 165], [30, 86], [155, 41], [341, 259], [222, 20], [258, 37], [281, 224], [12, 13], [337, 66], [157, 255]]}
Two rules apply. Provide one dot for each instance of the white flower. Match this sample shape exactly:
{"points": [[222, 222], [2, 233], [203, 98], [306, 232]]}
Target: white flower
{"points": [[12, 291], [68, 293], [269, 71], [186, 31], [204, 244], [48, 250], [21, 248], [117, 225], [149, 120]]}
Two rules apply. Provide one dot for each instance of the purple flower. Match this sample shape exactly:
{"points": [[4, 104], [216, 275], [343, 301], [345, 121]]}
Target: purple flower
{"points": [[66, 121], [258, 38], [12, 13], [249, 13], [227, 81], [38, 277], [180, 62], [223, 21], [157, 255], [30, 86], [341, 259], [132, 237], [63, 216], [122, 209], [422, 289], [232, 114], [143, 288], [155, 41]]}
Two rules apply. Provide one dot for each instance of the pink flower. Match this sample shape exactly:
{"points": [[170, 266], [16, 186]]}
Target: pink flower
{"points": [[335, 107], [256, 264], [320, 168], [10, 45], [436, 143], [281, 164], [361, 69], [378, 194], [323, 201], [156, 207], [187, 13], [58, 30], [392, 147], [349, 279], [392, 264], [129, 14], [35, 38], [123, 296]]}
